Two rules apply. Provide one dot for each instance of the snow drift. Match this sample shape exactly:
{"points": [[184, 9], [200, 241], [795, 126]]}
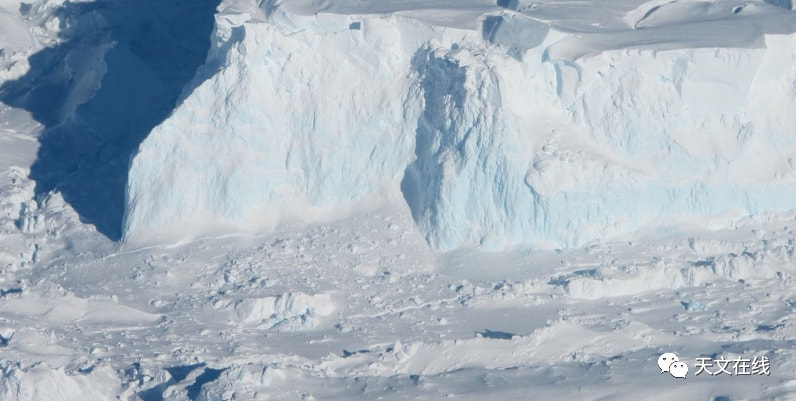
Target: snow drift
{"points": [[494, 136]]}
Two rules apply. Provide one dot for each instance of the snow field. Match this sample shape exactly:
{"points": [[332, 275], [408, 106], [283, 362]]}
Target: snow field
{"points": [[384, 321]]}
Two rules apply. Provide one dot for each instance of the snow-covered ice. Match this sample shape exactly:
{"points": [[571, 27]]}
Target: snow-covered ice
{"points": [[512, 133], [392, 200]]}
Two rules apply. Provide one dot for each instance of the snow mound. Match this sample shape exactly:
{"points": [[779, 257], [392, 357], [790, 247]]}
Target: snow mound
{"points": [[288, 311], [551, 343], [630, 280], [244, 382], [496, 137], [43, 383], [67, 308]]}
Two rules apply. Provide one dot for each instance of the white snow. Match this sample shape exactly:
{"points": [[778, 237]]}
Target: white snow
{"points": [[14, 34], [45, 383], [290, 311]]}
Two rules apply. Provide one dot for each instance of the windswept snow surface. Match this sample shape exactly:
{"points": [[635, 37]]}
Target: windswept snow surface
{"points": [[528, 129], [328, 151]]}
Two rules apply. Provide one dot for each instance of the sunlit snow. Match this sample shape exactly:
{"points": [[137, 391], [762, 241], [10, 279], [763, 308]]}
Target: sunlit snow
{"points": [[364, 199]]}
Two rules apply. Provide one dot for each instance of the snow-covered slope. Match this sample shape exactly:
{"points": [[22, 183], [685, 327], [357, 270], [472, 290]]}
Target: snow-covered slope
{"points": [[496, 129]]}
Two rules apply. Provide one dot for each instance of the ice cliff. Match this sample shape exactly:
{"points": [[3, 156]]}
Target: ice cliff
{"points": [[495, 132]]}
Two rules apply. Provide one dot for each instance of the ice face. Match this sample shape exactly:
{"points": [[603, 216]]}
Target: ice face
{"points": [[298, 134], [489, 142]]}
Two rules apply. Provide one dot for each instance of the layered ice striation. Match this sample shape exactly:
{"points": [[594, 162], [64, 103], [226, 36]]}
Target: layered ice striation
{"points": [[495, 137]]}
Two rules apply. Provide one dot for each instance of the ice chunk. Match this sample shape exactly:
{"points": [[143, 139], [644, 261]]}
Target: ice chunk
{"points": [[44, 383], [287, 311], [515, 30]]}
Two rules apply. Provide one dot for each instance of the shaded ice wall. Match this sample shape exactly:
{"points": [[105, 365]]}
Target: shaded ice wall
{"points": [[293, 120]]}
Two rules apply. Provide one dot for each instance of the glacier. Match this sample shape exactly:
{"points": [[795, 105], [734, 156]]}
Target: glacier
{"points": [[508, 128]]}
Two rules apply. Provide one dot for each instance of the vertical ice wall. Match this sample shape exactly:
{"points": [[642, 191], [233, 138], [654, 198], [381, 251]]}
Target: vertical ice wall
{"points": [[298, 118], [471, 153], [497, 141], [557, 153]]}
